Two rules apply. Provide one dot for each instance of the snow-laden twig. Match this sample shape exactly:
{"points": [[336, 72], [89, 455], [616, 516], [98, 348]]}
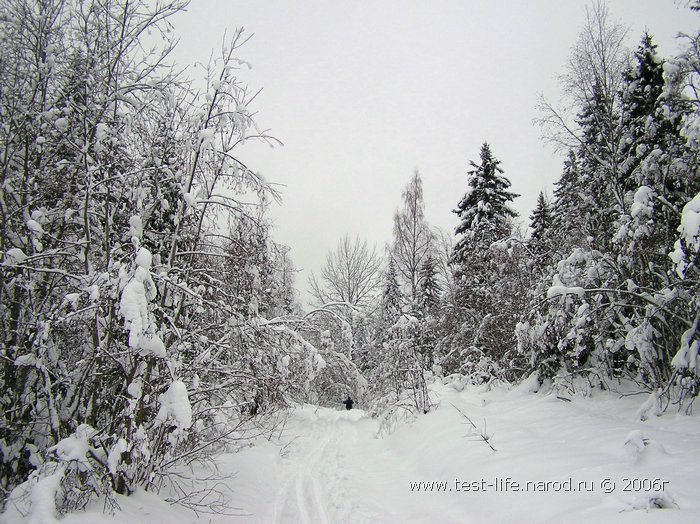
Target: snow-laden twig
{"points": [[481, 434]]}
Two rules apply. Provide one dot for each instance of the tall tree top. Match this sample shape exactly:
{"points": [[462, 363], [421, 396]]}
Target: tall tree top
{"points": [[412, 236], [483, 211]]}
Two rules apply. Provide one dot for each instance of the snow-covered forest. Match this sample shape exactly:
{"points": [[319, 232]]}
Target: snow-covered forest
{"points": [[158, 362]]}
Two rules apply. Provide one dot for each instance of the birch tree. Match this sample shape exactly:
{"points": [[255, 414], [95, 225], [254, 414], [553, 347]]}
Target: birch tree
{"points": [[413, 240]]}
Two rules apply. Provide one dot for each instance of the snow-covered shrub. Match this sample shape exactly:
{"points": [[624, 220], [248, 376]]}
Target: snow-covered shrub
{"points": [[112, 312], [402, 368]]}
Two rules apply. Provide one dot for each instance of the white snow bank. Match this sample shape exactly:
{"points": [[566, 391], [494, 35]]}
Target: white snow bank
{"points": [[43, 509]]}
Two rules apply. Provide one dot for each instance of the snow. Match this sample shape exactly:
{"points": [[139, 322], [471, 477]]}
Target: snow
{"points": [[26, 360], [93, 292], [152, 345], [643, 205], [559, 290], [190, 198], [634, 443], [175, 406], [135, 389], [689, 230], [206, 136], [101, 131], [76, 446], [133, 306], [42, 497], [35, 227], [72, 299], [690, 223], [135, 227], [61, 124], [15, 256], [687, 355], [144, 258], [114, 457], [586, 460]]}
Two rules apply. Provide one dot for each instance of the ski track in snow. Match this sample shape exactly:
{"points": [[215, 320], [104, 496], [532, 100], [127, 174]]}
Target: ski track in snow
{"points": [[337, 471], [326, 465], [316, 489]]}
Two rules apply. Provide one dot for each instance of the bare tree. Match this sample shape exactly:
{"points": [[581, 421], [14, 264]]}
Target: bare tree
{"points": [[412, 236], [594, 69], [350, 274], [444, 246]]}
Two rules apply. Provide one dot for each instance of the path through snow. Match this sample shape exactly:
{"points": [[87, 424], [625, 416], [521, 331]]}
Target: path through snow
{"points": [[335, 470], [328, 466]]}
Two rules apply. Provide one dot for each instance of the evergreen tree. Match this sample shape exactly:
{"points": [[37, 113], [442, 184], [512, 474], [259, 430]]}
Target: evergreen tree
{"points": [[428, 311], [428, 288], [634, 170], [483, 298], [643, 85], [392, 298], [483, 211], [541, 219], [653, 112], [599, 164], [568, 203], [540, 242]]}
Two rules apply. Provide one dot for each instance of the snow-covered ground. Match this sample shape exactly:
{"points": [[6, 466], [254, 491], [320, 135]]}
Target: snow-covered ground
{"points": [[587, 460]]}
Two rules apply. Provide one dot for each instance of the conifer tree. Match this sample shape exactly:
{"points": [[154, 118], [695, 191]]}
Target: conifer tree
{"points": [[541, 225], [568, 202], [428, 287], [482, 295], [541, 218], [392, 298], [599, 158], [633, 171], [483, 211]]}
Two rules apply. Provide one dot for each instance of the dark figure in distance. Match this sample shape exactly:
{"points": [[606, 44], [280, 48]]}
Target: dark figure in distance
{"points": [[348, 403]]}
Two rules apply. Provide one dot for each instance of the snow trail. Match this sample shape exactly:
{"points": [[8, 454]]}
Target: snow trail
{"points": [[328, 466], [337, 471]]}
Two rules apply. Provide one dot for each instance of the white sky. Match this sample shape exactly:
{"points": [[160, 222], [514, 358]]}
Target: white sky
{"points": [[362, 92]]}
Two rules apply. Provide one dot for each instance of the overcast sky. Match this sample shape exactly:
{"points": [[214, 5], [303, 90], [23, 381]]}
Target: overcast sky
{"points": [[363, 92]]}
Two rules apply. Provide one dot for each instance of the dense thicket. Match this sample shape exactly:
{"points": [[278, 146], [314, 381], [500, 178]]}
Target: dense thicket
{"points": [[137, 330], [619, 297]]}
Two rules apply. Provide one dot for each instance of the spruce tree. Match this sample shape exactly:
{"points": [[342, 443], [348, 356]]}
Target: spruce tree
{"points": [[652, 121], [541, 219], [599, 167], [483, 211], [568, 201], [541, 225], [428, 288], [392, 298], [481, 298]]}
